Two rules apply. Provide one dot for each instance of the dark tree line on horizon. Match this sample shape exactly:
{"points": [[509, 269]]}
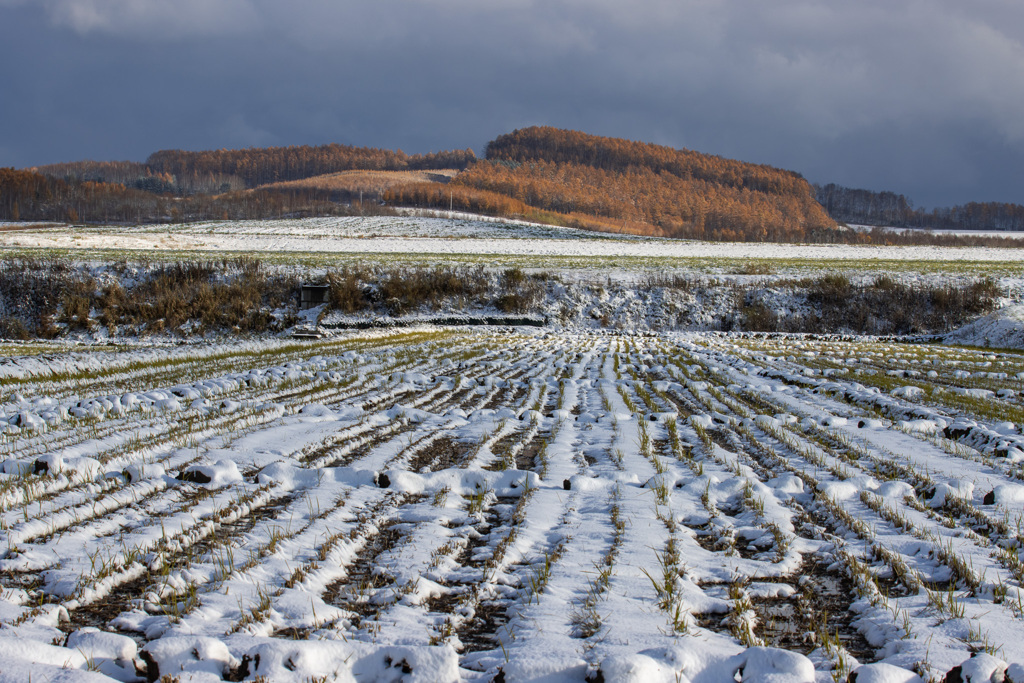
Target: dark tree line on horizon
{"points": [[888, 209]]}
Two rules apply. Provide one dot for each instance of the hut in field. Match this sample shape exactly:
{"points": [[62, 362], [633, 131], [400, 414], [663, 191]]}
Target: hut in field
{"points": [[313, 295]]}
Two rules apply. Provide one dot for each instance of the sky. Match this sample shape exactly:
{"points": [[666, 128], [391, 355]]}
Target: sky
{"points": [[920, 97]]}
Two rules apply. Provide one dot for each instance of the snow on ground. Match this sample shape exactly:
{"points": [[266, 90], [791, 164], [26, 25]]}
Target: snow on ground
{"points": [[440, 236], [447, 505], [1002, 329]]}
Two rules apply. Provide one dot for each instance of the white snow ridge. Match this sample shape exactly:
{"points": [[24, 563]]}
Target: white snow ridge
{"points": [[1003, 329]]}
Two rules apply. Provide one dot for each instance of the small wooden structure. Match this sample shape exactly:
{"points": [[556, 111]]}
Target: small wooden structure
{"points": [[311, 296]]}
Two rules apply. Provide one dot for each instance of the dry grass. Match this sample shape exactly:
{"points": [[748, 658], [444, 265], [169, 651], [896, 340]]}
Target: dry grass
{"points": [[368, 182], [883, 306]]}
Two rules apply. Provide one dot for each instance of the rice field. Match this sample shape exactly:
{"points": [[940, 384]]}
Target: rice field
{"points": [[445, 505]]}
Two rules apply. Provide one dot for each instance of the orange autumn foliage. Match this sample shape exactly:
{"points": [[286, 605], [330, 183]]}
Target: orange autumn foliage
{"points": [[648, 189]]}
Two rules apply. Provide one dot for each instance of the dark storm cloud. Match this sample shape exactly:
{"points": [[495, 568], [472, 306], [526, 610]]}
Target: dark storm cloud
{"points": [[919, 97]]}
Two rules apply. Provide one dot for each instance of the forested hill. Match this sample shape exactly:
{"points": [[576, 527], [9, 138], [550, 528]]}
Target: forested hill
{"points": [[866, 207], [654, 189]]}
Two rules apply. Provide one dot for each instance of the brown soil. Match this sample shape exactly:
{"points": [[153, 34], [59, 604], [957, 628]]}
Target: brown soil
{"points": [[354, 592], [100, 612], [822, 601], [442, 454]]}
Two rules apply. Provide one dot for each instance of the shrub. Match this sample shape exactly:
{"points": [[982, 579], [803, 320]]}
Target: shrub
{"points": [[407, 289], [76, 306], [31, 294], [829, 290], [347, 291], [519, 291], [757, 317]]}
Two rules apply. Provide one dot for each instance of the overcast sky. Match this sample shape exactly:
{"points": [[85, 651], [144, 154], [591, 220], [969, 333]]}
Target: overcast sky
{"points": [[920, 97]]}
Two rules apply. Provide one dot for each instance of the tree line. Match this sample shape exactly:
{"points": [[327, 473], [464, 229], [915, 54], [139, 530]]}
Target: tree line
{"points": [[866, 207], [178, 171], [177, 185]]}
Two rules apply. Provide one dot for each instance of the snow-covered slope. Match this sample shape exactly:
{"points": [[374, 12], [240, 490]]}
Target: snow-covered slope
{"points": [[1001, 329]]}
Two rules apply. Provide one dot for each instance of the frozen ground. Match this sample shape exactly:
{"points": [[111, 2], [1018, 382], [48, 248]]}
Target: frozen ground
{"points": [[438, 505], [441, 237]]}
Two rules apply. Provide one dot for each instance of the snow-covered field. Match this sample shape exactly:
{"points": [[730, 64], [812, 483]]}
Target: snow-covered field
{"points": [[461, 235], [435, 505]]}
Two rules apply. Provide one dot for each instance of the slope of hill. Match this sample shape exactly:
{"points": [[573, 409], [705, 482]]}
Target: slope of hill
{"points": [[368, 184]]}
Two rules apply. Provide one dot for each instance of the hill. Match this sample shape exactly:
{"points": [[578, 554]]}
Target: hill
{"points": [[642, 188], [178, 185], [543, 174], [364, 184], [26, 195]]}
